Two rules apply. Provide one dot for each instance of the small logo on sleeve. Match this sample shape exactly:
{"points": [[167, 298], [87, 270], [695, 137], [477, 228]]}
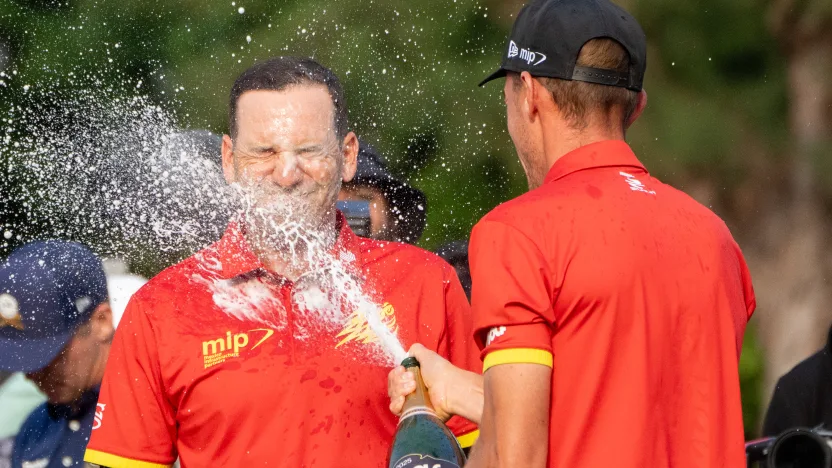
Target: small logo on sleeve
{"points": [[99, 415], [493, 334]]}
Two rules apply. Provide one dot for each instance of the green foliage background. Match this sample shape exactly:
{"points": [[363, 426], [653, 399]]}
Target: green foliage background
{"points": [[716, 84]]}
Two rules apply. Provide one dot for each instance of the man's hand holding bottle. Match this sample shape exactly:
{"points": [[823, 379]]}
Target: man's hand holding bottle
{"points": [[453, 391]]}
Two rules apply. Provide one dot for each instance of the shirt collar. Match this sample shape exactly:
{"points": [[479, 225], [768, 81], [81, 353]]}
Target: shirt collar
{"points": [[236, 257], [610, 153]]}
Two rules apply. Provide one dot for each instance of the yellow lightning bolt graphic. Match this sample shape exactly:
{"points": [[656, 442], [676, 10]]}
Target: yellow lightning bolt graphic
{"points": [[358, 329]]}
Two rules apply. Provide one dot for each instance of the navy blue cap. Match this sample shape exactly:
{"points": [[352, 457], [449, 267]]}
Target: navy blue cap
{"points": [[47, 290], [548, 36]]}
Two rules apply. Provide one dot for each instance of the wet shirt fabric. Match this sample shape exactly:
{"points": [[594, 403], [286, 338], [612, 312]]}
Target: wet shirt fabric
{"points": [[56, 436], [636, 296], [192, 374]]}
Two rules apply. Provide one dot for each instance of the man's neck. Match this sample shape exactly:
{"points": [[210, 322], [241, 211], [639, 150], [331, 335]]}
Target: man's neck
{"points": [[560, 139]]}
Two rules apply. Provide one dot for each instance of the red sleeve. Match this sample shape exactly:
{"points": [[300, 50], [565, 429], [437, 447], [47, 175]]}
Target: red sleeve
{"points": [[460, 346], [512, 296], [747, 286], [134, 423]]}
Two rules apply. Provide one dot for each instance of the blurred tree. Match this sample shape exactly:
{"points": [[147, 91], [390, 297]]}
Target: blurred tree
{"points": [[794, 261]]}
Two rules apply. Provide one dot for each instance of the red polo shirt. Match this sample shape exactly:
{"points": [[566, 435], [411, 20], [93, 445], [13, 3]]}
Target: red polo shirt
{"points": [[638, 298], [184, 378]]}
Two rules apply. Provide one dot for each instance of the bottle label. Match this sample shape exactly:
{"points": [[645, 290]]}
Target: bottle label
{"points": [[423, 461]]}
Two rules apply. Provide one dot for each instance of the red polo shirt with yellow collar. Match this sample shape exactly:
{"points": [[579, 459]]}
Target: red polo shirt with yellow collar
{"points": [[218, 362], [636, 295]]}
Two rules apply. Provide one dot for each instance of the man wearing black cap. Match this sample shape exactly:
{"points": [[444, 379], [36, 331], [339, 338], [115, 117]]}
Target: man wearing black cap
{"points": [[55, 326], [397, 210], [609, 307]]}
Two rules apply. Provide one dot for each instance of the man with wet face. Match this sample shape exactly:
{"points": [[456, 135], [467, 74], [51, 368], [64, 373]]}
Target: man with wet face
{"points": [[230, 358], [55, 326]]}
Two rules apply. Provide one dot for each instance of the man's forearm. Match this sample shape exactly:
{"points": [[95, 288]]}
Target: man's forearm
{"points": [[466, 397]]}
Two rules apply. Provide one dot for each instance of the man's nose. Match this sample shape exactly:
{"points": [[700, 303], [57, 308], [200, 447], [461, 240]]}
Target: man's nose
{"points": [[287, 172]]}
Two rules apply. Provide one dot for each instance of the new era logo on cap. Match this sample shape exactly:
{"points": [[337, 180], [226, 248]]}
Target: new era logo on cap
{"points": [[528, 56]]}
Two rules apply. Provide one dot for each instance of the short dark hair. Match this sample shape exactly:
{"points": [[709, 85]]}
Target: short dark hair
{"points": [[576, 99], [279, 73]]}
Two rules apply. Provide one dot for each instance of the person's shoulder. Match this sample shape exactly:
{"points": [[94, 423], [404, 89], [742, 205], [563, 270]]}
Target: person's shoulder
{"points": [[407, 255], [809, 372], [704, 218], [33, 427], [169, 286], [180, 275], [529, 213]]}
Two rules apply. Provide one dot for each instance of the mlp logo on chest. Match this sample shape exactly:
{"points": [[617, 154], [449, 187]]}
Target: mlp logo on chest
{"points": [[233, 345]]}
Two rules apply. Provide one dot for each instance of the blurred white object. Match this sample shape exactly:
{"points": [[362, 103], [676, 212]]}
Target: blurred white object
{"points": [[121, 287]]}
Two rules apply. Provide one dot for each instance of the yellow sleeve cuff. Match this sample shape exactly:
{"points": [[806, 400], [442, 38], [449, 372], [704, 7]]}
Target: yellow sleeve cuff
{"points": [[517, 356], [467, 440], [114, 461]]}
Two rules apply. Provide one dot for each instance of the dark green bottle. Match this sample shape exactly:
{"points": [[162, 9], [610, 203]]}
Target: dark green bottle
{"points": [[422, 439]]}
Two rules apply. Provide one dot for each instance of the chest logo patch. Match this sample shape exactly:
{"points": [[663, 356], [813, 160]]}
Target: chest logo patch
{"points": [[231, 345], [358, 330]]}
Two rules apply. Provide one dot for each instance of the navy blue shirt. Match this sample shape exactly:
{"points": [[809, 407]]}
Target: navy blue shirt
{"points": [[56, 436]]}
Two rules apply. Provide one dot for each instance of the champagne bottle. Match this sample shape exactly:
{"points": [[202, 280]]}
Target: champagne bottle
{"points": [[422, 439]]}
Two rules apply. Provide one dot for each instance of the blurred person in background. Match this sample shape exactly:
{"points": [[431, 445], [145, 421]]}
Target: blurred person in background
{"points": [[56, 327], [803, 396], [610, 308], [456, 253], [397, 210], [217, 383]]}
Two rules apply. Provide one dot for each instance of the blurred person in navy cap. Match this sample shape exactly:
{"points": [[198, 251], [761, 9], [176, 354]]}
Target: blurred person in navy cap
{"points": [[56, 327], [397, 210]]}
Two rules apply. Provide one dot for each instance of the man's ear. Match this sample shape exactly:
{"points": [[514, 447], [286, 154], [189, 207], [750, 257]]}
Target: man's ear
{"points": [[530, 94], [641, 103], [228, 159], [102, 322], [350, 154]]}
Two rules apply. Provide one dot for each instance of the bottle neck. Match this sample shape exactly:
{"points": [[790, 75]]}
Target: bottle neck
{"points": [[417, 402]]}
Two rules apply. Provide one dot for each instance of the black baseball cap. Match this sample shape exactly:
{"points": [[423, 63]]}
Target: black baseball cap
{"points": [[47, 290], [548, 36]]}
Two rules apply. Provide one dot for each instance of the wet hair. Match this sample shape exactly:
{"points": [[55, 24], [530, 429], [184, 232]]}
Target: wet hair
{"points": [[280, 73], [578, 99]]}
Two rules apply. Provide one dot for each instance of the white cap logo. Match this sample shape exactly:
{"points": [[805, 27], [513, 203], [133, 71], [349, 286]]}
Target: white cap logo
{"points": [[512, 49], [82, 303], [10, 312], [9, 308]]}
